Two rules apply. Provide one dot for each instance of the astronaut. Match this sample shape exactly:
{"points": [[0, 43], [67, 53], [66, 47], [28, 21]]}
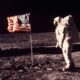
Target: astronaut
{"points": [[64, 35]]}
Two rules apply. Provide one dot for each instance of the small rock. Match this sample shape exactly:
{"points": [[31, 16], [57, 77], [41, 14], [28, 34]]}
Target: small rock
{"points": [[35, 67], [7, 65], [49, 69], [39, 71], [21, 70]]}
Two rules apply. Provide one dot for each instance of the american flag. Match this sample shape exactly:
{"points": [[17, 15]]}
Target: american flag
{"points": [[19, 23]]}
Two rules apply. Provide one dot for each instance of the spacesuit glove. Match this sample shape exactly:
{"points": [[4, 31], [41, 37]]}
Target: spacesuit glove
{"points": [[57, 45]]}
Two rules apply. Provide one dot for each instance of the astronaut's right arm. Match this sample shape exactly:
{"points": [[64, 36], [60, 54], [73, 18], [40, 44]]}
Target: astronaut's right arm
{"points": [[60, 35], [57, 37]]}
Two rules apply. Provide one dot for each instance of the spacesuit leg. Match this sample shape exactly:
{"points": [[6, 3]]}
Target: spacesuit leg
{"points": [[67, 49]]}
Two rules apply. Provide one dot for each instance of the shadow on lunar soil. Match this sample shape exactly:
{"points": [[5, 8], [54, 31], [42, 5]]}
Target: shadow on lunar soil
{"points": [[76, 69], [41, 50]]}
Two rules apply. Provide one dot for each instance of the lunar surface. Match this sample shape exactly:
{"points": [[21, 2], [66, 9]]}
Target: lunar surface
{"points": [[16, 64]]}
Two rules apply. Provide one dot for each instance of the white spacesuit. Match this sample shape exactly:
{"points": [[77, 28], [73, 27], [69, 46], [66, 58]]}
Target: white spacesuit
{"points": [[64, 35]]}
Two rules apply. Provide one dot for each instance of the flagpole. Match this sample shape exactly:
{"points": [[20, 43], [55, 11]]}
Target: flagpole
{"points": [[31, 47]]}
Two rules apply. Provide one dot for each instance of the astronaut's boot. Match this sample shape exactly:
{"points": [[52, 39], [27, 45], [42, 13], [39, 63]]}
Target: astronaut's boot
{"points": [[69, 61], [69, 67]]}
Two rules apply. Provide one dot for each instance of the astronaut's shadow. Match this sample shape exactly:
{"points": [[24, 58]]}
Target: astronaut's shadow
{"points": [[76, 69]]}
